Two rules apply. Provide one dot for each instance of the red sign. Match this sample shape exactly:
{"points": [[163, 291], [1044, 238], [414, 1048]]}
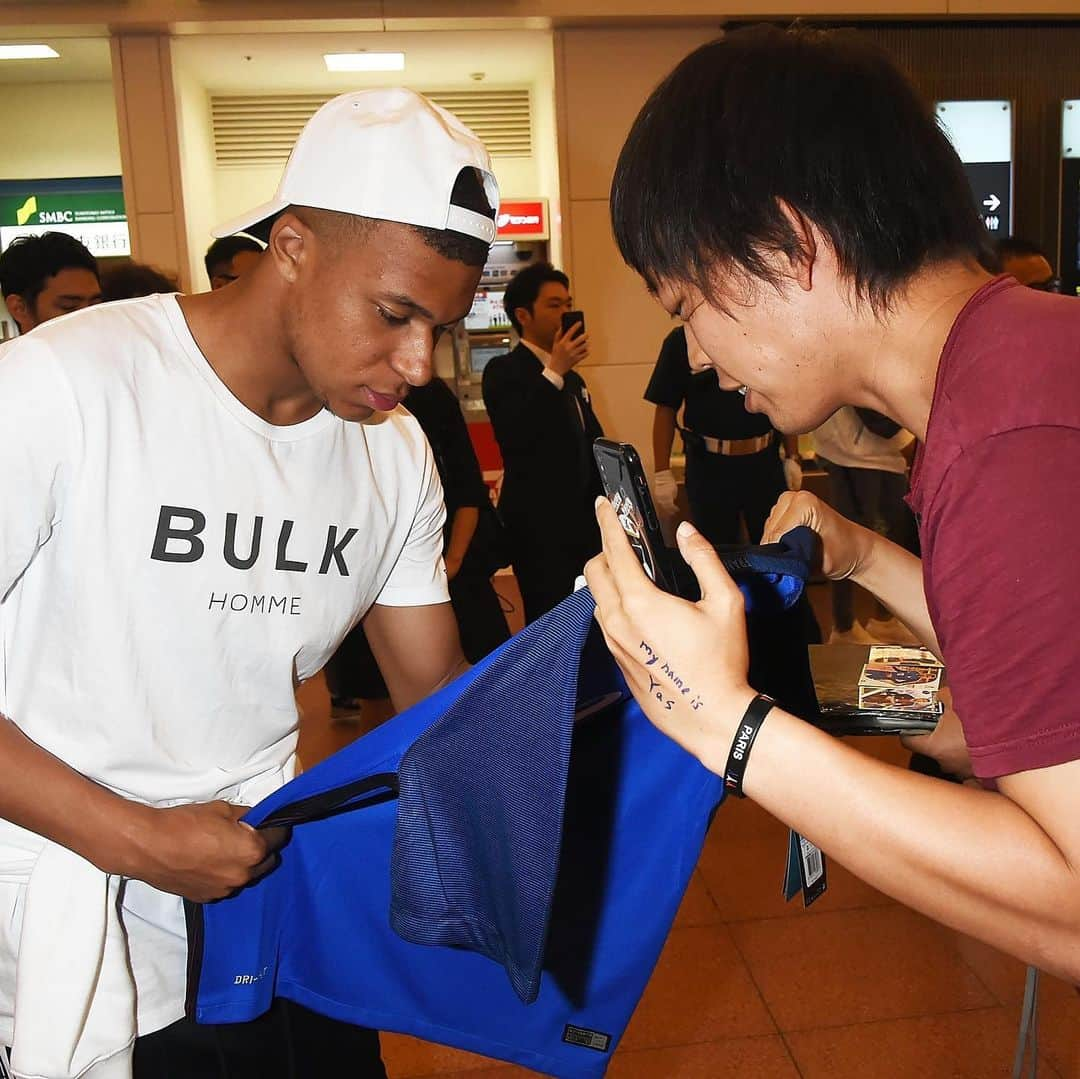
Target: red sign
{"points": [[523, 220]]}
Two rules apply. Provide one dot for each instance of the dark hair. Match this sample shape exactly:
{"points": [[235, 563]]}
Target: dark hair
{"points": [[29, 262], [821, 120], [223, 251], [469, 194], [525, 287], [134, 279], [1018, 247]]}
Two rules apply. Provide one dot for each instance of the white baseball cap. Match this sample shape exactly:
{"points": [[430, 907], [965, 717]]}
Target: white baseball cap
{"points": [[388, 154]]}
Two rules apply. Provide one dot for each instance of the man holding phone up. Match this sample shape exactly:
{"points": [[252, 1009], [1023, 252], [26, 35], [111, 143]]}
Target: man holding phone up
{"points": [[545, 426]]}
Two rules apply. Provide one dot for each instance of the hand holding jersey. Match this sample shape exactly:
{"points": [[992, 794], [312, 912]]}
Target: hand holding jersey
{"points": [[703, 644], [851, 551]]}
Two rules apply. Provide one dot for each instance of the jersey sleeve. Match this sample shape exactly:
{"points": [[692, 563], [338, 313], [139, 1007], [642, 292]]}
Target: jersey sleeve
{"points": [[1002, 583], [419, 575], [39, 433], [671, 375]]}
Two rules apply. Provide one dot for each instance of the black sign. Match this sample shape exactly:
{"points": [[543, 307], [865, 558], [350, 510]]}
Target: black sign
{"points": [[991, 184]]}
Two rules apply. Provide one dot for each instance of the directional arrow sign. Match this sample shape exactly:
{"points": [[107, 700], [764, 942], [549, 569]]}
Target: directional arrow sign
{"points": [[992, 203]]}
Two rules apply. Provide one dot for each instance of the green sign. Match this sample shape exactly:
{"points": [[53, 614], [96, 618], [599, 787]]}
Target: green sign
{"points": [[74, 208]]}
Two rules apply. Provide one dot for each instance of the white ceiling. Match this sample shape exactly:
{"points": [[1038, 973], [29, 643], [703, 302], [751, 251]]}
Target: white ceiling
{"points": [[259, 62], [237, 63], [82, 59]]}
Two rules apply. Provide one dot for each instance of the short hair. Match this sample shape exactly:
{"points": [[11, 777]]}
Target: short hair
{"points": [[226, 249], [525, 286], [468, 193], [133, 279], [1018, 247], [821, 120], [29, 262]]}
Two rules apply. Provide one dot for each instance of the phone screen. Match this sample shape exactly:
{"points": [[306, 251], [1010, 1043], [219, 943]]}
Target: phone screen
{"points": [[626, 488]]}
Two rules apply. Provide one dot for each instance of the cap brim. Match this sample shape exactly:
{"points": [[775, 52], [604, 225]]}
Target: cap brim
{"points": [[254, 223]]}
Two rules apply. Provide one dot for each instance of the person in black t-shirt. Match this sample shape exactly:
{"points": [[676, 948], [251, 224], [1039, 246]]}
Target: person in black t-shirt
{"points": [[733, 464]]}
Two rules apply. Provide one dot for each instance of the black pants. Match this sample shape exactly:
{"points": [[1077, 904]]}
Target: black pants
{"points": [[287, 1042], [722, 489], [548, 556]]}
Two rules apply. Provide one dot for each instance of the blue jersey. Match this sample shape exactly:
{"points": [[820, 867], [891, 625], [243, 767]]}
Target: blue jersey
{"points": [[496, 869]]}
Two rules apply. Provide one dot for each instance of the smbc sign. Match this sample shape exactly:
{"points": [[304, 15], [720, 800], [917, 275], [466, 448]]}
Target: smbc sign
{"points": [[95, 218]]}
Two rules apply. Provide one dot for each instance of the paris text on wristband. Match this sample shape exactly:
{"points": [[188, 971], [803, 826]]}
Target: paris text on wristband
{"points": [[745, 733]]}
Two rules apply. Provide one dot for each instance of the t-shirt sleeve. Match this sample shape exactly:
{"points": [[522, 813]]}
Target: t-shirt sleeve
{"points": [[671, 375], [419, 575], [1003, 588], [38, 430]]}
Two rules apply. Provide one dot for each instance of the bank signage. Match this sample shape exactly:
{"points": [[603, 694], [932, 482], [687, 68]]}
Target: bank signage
{"points": [[89, 208], [523, 219]]}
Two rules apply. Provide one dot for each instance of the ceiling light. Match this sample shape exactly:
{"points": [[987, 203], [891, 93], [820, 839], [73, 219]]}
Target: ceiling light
{"points": [[28, 52], [364, 61]]}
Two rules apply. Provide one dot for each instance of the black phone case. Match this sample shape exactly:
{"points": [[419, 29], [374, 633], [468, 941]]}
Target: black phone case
{"points": [[626, 487], [570, 317]]}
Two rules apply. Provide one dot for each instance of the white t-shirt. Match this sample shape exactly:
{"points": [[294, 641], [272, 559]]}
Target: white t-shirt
{"points": [[169, 564], [845, 440]]}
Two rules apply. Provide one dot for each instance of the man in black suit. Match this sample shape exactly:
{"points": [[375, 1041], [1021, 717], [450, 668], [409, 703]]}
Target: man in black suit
{"points": [[545, 426]]}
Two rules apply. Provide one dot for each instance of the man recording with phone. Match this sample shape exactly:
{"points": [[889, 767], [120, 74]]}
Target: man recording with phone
{"points": [[545, 426]]}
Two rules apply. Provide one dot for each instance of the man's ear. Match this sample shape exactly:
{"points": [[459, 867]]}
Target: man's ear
{"points": [[528, 315], [806, 238], [20, 311], [291, 243]]}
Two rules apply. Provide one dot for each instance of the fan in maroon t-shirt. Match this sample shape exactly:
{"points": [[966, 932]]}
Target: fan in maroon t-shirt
{"points": [[827, 256]]}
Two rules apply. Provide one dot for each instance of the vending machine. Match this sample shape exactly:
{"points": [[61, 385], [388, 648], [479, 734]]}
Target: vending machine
{"points": [[522, 238]]}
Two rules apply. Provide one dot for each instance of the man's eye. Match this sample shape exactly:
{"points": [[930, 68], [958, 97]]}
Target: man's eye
{"points": [[391, 318]]}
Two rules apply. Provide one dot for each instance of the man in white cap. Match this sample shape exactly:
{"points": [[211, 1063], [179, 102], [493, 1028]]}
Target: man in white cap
{"points": [[199, 496]]}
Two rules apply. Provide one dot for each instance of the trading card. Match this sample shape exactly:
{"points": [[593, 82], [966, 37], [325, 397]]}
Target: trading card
{"points": [[900, 675], [894, 653], [915, 699]]}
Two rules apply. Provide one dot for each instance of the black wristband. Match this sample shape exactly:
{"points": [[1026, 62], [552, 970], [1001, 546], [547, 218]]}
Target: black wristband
{"points": [[743, 742]]}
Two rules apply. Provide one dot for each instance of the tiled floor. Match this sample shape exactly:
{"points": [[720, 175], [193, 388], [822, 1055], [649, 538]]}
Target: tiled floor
{"points": [[856, 987]]}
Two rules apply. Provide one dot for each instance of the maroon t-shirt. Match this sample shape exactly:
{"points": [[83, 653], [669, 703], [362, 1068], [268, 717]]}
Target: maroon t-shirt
{"points": [[997, 491]]}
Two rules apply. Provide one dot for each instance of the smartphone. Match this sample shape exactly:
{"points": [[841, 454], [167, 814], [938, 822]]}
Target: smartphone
{"points": [[570, 317], [623, 477]]}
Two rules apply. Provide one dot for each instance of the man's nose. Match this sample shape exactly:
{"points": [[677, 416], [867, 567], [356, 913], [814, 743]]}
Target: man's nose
{"points": [[412, 360]]}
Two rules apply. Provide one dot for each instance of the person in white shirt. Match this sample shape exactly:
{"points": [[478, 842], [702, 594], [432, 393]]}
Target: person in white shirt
{"points": [[865, 457], [199, 496]]}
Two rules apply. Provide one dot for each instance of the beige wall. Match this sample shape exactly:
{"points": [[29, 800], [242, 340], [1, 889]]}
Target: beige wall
{"points": [[197, 171], [602, 79], [149, 149], [59, 129]]}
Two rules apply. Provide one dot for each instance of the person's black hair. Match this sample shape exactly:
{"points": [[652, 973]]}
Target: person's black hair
{"points": [[132, 279], [1018, 247], [29, 262], [820, 120], [525, 286], [221, 252], [469, 194]]}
